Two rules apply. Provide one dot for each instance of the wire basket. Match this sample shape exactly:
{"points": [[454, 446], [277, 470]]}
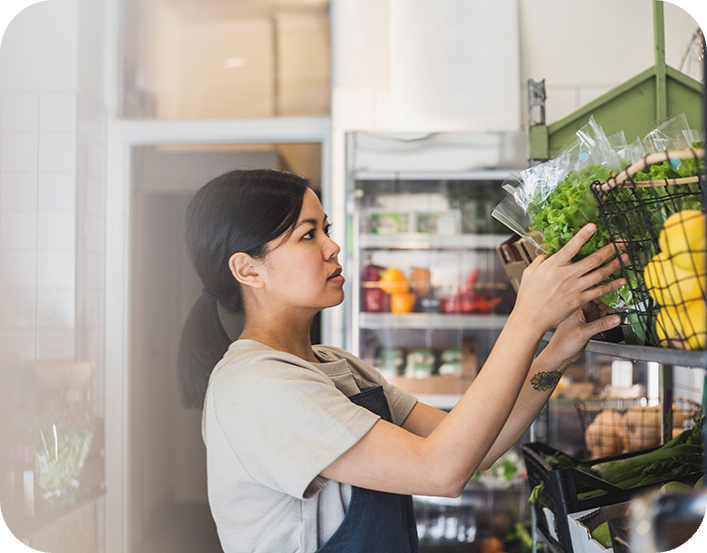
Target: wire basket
{"points": [[666, 266], [612, 426]]}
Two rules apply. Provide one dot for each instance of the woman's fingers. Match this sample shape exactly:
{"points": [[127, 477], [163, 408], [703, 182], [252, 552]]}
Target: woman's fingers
{"points": [[569, 250], [603, 272], [601, 325], [598, 258], [603, 289]]}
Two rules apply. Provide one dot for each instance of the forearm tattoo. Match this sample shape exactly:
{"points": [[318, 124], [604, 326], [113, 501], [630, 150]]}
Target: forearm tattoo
{"points": [[544, 381]]}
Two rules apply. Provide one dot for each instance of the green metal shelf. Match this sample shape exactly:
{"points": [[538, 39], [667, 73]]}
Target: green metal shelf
{"points": [[656, 94]]}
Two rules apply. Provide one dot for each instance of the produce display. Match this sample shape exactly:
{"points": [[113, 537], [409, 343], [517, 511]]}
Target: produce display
{"points": [[419, 362], [620, 425], [676, 280], [646, 195], [682, 455], [389, 289], [622, 524]]}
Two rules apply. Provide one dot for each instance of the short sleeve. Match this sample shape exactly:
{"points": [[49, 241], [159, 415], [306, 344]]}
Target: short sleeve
{"points": [[284, 422], [400, 402]]}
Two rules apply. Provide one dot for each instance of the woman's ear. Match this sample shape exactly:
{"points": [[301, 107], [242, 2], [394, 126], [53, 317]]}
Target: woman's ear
{"points": [[244, 270]]}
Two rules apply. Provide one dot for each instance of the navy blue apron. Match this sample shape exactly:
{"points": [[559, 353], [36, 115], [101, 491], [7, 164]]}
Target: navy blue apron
{"points": [[375, 522]]}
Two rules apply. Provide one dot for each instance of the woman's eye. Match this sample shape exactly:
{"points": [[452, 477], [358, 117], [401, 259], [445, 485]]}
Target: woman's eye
{"points": [[327, 230], [309, 235]]}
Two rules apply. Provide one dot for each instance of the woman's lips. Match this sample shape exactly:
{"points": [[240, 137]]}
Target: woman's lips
{"points": [[337, 276]]}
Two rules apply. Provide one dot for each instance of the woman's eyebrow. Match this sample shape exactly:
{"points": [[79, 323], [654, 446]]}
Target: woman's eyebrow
{"points": [[311, 221]]}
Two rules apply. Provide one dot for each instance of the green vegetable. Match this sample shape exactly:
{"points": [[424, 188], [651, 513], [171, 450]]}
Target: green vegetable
{"points": [[682, 455], [602, 535], [652, 466], [674, 487], [569, 207], [572, 204]]}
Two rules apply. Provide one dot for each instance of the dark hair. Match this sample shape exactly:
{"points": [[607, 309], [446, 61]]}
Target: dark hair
{"points": [[240, 211]]}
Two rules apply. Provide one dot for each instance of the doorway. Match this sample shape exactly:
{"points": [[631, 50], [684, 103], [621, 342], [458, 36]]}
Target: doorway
{"points": [[165, 499]]}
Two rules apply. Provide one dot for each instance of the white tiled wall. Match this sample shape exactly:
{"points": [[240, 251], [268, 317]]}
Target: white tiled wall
{"points": [[52, 182]]}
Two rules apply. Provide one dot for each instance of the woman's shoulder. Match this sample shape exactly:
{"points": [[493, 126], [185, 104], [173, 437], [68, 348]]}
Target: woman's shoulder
{"points": [[247, 359], [334, 353]]}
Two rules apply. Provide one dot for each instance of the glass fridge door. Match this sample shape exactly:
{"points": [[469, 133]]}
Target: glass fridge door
{"points": [[427, 294]]}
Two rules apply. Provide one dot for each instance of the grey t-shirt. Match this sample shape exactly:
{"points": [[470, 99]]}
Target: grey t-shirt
{"points": [[272, 422]]}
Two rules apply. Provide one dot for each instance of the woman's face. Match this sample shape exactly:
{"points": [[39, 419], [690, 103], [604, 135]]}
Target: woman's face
{"points": [[303, 271]]}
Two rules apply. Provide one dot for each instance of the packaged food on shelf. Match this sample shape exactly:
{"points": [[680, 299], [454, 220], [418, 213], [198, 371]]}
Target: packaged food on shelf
{"points": [[421, 281], [394, 281], [420, 363], [389, 223], [445, 224], [373, 298], [439, 370], [390, 362], [403, 303], [451, 362]]}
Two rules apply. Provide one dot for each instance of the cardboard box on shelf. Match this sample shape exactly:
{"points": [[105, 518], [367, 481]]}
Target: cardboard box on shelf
{"points": [[583, 523], [516, 254]]}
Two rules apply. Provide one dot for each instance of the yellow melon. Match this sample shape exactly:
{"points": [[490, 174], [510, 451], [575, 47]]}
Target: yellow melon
{"points": [[671, 285], [683, 240]]}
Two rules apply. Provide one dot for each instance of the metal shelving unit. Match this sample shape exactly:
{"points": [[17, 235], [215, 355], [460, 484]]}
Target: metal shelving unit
{"points": [[667, 356], [656, 94]]}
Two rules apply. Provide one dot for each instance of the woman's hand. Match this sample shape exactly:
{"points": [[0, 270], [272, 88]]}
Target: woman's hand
{"points": [[572, 334], [554, 287]]}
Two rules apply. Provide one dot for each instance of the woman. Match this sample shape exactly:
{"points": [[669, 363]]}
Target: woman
{"points": [[310, 449]]}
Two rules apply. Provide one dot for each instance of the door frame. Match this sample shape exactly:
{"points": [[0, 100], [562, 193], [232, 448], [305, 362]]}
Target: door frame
{"points": [[123, 136]]}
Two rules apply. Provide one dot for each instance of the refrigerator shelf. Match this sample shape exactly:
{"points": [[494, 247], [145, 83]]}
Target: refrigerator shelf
{"points": [[435, 321], [421, 241]]}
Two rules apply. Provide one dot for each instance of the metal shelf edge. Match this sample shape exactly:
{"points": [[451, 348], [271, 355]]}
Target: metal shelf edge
{"points": [[664, 356]]}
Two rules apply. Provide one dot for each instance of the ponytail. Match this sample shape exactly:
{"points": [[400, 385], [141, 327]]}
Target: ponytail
{"points": [[203, 343]]}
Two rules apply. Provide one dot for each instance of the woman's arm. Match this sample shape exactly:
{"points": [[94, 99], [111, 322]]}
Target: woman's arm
{"points": [[565, 347], [390, 458]]}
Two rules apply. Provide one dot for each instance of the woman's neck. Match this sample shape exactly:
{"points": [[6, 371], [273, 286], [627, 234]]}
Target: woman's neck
{"points": [[288, 340], [286, 330]]}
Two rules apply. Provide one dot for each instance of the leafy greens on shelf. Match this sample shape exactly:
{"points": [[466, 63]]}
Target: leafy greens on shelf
{"points": [[572, 204]]}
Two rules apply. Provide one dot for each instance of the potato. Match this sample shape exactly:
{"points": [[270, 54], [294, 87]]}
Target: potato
{"points": [[642, 427], [606, 435]]}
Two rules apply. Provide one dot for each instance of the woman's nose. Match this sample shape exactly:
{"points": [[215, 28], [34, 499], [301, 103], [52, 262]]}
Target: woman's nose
{"points": [[331, 249]]}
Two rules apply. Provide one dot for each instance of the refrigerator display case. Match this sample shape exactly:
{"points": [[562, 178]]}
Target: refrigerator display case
{"points": [[428, 296], [427, 293]]}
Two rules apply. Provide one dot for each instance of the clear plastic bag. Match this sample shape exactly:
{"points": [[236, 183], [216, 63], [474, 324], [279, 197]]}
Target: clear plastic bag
{"points": [[554, 198], [673, 134]]}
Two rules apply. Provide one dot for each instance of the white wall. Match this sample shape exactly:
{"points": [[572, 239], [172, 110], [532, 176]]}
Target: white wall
{"points": [[52, 187], [460, 65], [450, 65], [578, 47]]}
